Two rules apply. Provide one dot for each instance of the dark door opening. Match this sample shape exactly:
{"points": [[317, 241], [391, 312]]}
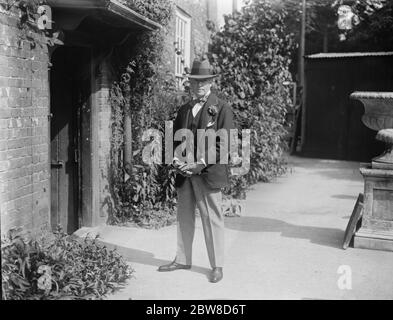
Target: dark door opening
{"points": [[70, 90]]}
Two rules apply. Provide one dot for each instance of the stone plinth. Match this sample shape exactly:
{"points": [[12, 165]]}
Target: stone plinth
{"points": [[376, 231]]}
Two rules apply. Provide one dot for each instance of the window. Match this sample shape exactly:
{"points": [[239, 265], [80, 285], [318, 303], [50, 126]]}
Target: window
{"points": [[182, 45]]}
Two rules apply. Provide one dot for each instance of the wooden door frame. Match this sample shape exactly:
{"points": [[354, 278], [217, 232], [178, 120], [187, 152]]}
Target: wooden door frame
{"points": [[87, 198]]}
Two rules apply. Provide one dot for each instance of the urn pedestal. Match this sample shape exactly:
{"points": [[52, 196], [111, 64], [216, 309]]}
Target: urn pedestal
{"points": [[376, 231]]}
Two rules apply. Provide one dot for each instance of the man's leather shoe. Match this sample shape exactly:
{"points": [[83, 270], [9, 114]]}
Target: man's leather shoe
{"points": [[216, 275], [173, 266]]}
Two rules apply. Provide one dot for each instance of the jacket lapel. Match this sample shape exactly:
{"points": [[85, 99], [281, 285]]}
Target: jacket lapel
{"points": [[205, 117], [186, 115]]}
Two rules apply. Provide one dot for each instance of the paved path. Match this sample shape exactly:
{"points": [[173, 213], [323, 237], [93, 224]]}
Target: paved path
{"points": [[286, 246]]}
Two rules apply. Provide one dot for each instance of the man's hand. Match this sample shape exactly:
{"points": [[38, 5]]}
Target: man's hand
{"points": [[177, 165], [194, 168]]}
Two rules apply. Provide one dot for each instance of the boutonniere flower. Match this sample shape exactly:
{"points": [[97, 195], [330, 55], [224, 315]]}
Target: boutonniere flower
{"points": [[212, 110]]}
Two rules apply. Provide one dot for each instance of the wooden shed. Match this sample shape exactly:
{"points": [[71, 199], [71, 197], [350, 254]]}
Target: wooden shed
{"points": [[332, 122]]}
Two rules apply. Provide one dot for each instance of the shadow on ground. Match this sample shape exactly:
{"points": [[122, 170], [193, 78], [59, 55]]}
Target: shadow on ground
{"points": [[344, 196], [323, 236], [147, 258], [339, 175], [331, 169]]}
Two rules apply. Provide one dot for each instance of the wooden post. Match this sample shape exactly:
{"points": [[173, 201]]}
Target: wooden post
{"points": [[234, 6], [302, 72]]}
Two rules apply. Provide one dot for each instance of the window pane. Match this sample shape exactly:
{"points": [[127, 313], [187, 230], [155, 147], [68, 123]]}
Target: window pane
{"points": [[182, 38]]}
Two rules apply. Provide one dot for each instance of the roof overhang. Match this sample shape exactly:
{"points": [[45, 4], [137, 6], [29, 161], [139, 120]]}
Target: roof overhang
{"points": [[112, 11]]}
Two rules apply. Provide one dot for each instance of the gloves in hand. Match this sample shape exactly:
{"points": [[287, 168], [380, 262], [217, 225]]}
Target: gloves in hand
{"points": [[187, 169], [177, 164], [194, 168]]}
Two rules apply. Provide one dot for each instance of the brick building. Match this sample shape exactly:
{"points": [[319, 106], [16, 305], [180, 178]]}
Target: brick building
{"points": [[188, 32], [24, 106], [55, 119]]}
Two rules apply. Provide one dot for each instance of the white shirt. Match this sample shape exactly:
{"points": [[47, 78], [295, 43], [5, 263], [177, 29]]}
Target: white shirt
{"points": [[199, 105]]}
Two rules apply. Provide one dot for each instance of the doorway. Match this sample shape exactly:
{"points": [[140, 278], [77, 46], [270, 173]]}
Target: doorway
{"points": [[70, 87]]}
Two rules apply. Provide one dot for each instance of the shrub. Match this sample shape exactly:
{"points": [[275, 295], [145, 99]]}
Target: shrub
{"points": [[63, 267], [142, 194], [251, 53], [149, 190], [155, 10]]}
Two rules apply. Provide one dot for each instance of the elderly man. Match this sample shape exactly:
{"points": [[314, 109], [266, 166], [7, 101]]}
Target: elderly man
{"points": [[199, 181]]}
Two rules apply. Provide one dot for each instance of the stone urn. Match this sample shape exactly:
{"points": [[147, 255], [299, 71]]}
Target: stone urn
{"points": [[376, 230], [378, 116]]}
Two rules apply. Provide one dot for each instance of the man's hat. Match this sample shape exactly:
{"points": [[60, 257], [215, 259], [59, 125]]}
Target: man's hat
{"points": [[201, 70]]}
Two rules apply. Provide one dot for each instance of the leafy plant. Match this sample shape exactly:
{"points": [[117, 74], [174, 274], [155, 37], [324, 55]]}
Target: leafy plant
{"points": [[375, 31], [159, 11], [63, 267], [28, 17], [142, 194], [251, 54]]}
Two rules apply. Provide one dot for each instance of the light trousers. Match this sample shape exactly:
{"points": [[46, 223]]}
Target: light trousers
{"points": [[194, 192]]}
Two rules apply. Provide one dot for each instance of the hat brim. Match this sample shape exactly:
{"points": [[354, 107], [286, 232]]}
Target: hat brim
{"points": [[202, 77]]}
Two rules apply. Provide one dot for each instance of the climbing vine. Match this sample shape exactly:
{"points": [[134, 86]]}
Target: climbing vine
{"points": [[158, 11], [32, 21], [147, 94]]}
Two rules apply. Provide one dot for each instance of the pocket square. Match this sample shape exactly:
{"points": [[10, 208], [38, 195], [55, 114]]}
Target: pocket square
{"points": [[210, 124]]}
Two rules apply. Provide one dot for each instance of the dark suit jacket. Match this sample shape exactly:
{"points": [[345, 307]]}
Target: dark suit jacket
{"points": [[215, 175]]}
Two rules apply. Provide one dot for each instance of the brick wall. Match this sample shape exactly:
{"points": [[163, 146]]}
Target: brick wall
{"points": [[200, 36], [24, 108]]}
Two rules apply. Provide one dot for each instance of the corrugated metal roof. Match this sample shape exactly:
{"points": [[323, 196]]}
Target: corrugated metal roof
{"points": [[372, 95], [331, 55]]}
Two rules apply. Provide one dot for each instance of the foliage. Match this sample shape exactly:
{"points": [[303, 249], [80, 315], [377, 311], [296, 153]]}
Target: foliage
{"points": [[322, 33], [62, 268], [159, 11], [252, 55], [28, 8], [321, 23], [28, 17], [148, 95], [375, 32], [154, 219], [148, 188]]}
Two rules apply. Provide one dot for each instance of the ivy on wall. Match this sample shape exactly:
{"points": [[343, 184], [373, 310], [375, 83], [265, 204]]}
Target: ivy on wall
{"points": [[158, 11], [146, 93], [29, 16]]}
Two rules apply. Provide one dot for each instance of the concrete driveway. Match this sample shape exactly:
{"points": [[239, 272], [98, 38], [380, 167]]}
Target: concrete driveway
{"points": [[287, 245]]}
